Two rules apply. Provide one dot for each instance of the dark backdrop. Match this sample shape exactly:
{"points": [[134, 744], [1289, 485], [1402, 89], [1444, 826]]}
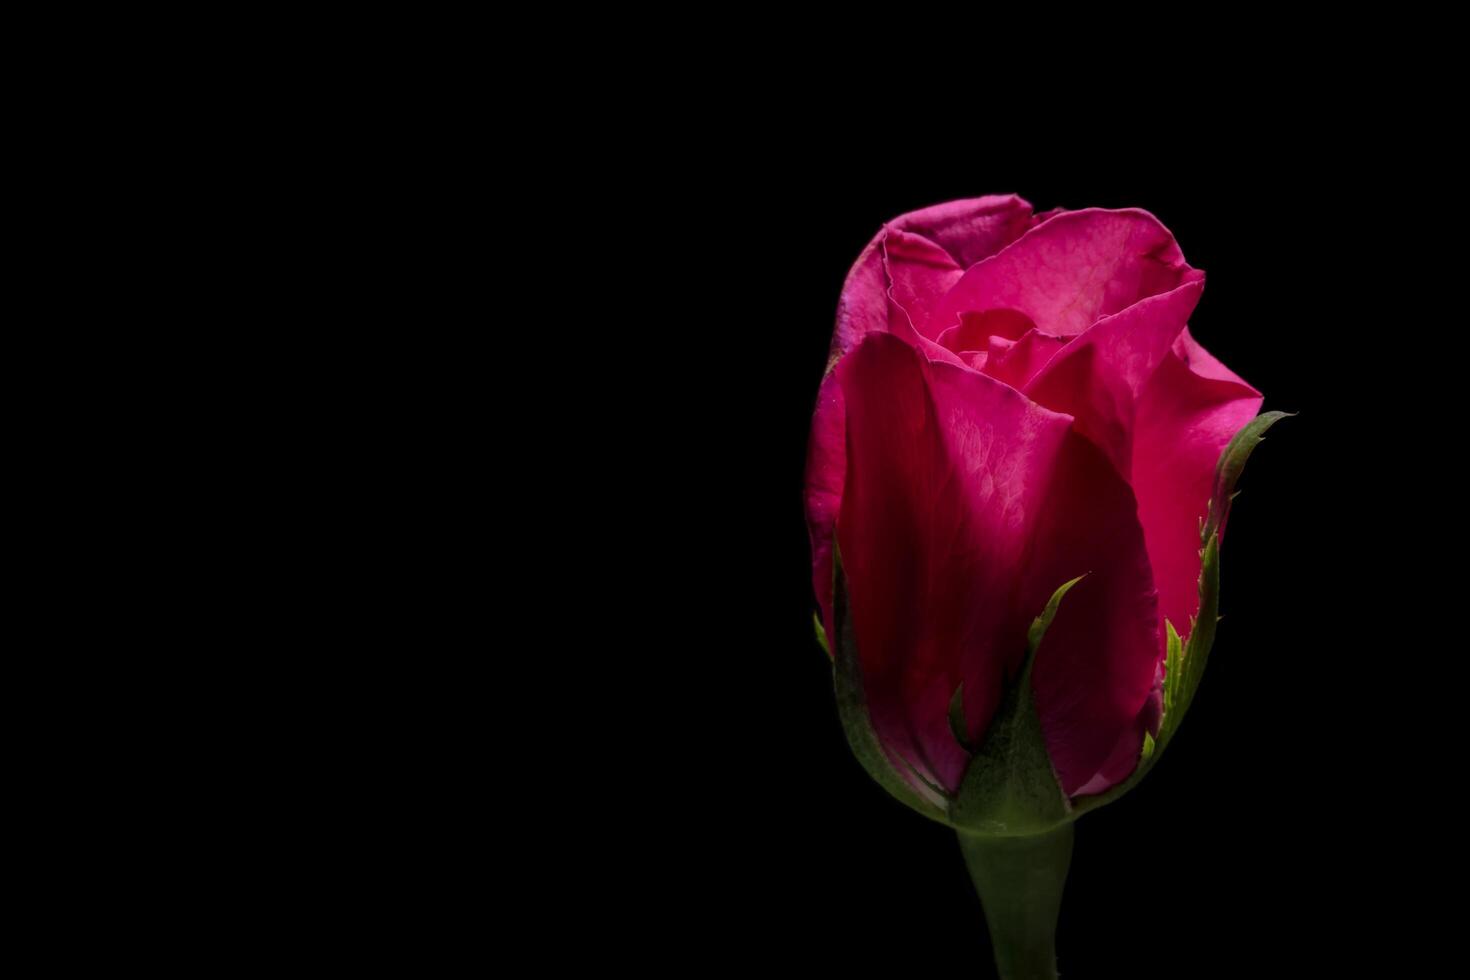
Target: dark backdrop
{"points": [[1260, 843]]}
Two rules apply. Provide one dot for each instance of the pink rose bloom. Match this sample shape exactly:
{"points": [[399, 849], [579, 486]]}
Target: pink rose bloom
{"points": [[1014, 400]]}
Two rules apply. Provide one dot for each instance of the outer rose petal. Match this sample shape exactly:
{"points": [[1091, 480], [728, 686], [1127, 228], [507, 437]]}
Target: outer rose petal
{"points": [[864, 306], [972, 229], [946, 476], [966, 505], [920, 273], [1164, 409], [1188, 413], [1097, 664], [1071, 269], [907, 266], [1098, 376]]}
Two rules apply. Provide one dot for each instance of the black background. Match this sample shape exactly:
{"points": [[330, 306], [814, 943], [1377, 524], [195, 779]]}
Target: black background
{"points": [[1270, 838], [685, 790]]}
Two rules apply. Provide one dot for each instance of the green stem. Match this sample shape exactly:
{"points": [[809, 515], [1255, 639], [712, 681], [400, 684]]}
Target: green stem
{"points": [[1020, 881]]}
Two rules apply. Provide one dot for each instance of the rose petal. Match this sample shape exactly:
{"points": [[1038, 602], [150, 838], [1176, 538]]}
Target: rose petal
{"points": [[1098, 660], [975, 359], [1022, 360], [908, 265], [826, 465], [864, 306], [1068, 271], [971, 229], [946, 476], [1121, 762], [919, 273], [1188, 413], [1097, 378], [974, 330], [920, 256]]}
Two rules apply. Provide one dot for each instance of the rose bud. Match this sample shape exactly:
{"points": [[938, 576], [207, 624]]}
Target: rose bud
{"points": [[1019, 473]]}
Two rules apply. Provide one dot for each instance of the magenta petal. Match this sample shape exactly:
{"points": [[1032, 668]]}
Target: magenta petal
{"points": [[915, 260], [947, 473], [1017, 364], [1202, 362], [1068, 271], [1188, 413], [1120, 763], [1099, 658], [908, 266], [920, 273], [893, 282], [974, 330], [971, 229], [864, 306], [1128, 749], [1098, 376]]}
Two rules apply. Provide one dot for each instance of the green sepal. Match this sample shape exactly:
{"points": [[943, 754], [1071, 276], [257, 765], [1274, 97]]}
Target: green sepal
{"points": [[1185, 668], [1201, 635], [821, 634], [958, 727], [1173, 658], [852, 708], [1229, 468], [1010, 788], [1042, 623]]}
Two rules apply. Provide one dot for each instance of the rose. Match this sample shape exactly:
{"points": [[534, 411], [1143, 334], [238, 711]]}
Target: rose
{"points": [[1018, 477], [1014, 401]]}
